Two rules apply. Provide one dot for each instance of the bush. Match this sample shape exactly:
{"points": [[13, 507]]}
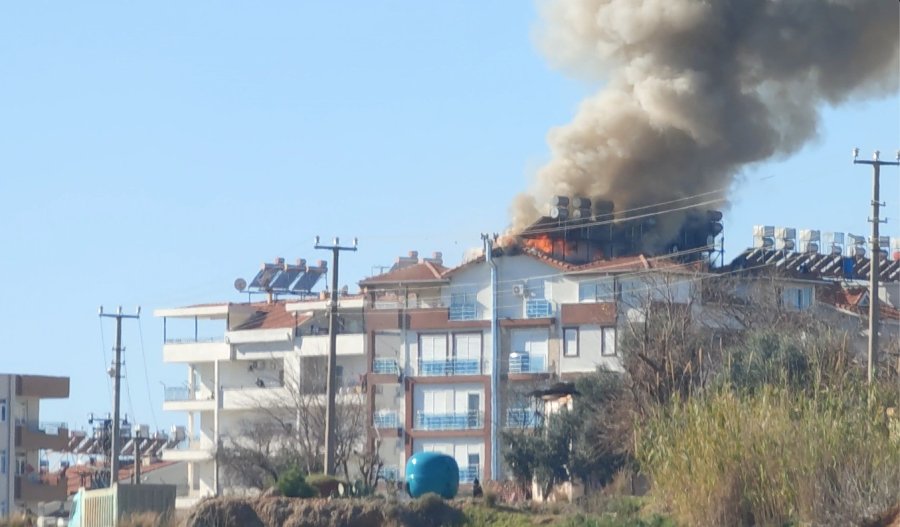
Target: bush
{"points": [[490, 498], [324, 484], [292, 484], [773, 456]]}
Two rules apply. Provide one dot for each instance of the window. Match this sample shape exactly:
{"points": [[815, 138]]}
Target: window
{"points": [[598, 290], [797, 298], [570, 342], [463, 306], [3, 410], [2, 461], [609, 342]]}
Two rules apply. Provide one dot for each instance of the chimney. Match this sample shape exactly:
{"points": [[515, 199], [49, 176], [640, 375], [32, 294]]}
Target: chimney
{"points": [[406, 261]]}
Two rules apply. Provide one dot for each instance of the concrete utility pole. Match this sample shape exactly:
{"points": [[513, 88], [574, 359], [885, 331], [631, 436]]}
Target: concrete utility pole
{"points": [[330, 388], [875, 257], [488, 241], [116, 440]]}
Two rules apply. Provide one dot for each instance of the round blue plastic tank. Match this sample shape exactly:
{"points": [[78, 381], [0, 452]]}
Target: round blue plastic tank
{"points": [[432, 472]]}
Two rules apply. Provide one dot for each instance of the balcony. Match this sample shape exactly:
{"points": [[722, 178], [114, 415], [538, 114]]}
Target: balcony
{"points": [[386, 420], [522, 362], [522, 418], [468, 474], [36, 488], [317, 345], [444, 367], [196, 449], [273, 395], [196, 350], [389, 473], [470, 420], [386, 367], [467, 311], [33, 435], [183, 399], [538, 308]]}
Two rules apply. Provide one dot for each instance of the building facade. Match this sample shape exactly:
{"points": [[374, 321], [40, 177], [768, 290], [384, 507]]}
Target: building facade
{"points": [[24, 480]]}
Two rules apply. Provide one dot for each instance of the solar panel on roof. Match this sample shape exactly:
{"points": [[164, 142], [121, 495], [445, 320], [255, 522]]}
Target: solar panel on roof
{"points": [[285, 278], [307, 280], [265, 276]]}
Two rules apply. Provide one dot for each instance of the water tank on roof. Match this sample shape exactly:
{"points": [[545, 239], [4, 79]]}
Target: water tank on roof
{"points": [[560, 201], [579, 202], [848, 265], [432, 472], [767, 231], [559, 213]]}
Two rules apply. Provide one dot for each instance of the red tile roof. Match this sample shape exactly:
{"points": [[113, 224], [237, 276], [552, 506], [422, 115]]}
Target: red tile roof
{"points": [[855, 300], [272, 316], [80, 475], [421, 272]]}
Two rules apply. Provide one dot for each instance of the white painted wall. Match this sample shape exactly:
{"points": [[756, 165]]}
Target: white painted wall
{"points": [[591, 342]]}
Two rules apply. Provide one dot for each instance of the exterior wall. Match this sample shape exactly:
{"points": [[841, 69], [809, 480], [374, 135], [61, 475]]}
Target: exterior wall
{"points": [[7, 440]]}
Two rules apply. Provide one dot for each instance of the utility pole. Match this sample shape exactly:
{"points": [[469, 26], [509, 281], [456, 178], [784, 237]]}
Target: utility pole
{"points": [[488, 241], [330, 388], [875, 258], [116, 440]]}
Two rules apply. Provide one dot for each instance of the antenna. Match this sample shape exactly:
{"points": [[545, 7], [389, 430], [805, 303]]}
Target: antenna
{"points": [[240, 284]]}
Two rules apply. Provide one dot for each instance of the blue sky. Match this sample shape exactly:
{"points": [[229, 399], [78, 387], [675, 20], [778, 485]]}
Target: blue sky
{"points": [[150, 154]]}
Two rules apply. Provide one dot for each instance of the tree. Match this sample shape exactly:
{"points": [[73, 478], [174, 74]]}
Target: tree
{"points": [[288, 429]]}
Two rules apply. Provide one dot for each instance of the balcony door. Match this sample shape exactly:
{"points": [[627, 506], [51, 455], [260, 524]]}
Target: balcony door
{"points": [[473, 409]]}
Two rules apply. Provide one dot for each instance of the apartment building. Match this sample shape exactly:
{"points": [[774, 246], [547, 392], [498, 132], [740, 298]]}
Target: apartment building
{"points": [[432, 353], [244, 361], [24, 480]]}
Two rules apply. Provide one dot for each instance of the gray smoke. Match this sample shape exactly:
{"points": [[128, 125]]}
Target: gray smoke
{"points": [[695, 90]]}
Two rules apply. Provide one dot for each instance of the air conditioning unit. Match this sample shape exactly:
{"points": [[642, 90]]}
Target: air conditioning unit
{"points": [[257, 365], [519, 290], [379, 389], [398, 391]]}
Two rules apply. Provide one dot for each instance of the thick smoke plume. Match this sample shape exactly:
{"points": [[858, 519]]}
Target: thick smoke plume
{"points": [[695, 90]]}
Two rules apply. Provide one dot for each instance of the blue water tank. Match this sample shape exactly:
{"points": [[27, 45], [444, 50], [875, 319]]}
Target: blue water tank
{"points": [[432, 472], [848, 265]]}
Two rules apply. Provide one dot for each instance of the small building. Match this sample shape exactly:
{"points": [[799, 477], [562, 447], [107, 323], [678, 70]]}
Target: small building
{"points": [[24, 481]]}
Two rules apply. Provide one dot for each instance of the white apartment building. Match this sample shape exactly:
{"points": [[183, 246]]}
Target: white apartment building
{"points": [[24, 481], [244, 358]]}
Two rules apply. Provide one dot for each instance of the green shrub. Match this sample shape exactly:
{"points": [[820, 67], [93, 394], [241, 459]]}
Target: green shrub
{"points": [[325, 485], [773, 456], [292, 484]]}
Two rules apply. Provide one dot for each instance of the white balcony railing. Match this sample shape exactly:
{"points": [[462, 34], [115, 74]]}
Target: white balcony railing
{"points": [[470, 420], [523, 362], [442, 367]]}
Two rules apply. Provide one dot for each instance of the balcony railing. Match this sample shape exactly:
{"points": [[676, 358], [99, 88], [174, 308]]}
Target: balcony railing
{"points": [[470, 420], [522, 362], [468, 474], [467, 311], [386, 420], [538, 308], [43, 427], [183, 393], [522, 418], [194, 340], [441, 367], [386, 366], [389, 473]]}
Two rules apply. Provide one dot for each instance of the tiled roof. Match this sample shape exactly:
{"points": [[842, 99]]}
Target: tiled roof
{"points": [[421, 272], [855, 300], [271, 316], [80, 475]]}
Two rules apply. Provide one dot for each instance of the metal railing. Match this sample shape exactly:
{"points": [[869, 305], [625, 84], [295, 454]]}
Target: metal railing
{"points": [[389, 473], [43, 427], [468, 474], [386, 420], [441, 367], [386, 366], [538, 308], [194, 340], [470, 420], [184, 393], [522, 362], [467, 311], [522, 418]]}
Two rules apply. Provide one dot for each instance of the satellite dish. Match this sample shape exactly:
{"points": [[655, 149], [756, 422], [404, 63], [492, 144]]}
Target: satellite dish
{"points": [[240, 284]]}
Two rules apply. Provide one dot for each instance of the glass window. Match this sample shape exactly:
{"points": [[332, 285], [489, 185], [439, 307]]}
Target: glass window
{"points": [[3, 410], [2, 461], [609, 342], [570, 342], [597, 290]]}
